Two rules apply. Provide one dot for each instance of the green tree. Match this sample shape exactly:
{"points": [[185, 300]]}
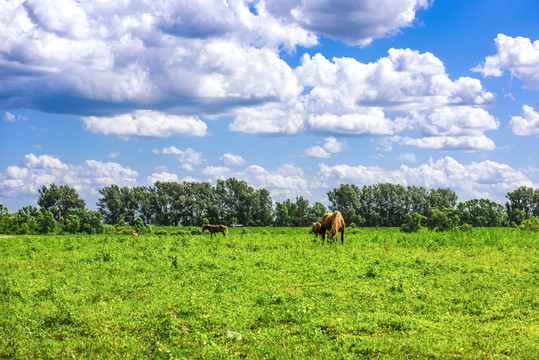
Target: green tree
{"points": [[442, 198], [45, 222], [282, 218], [412, 222], [481, 213], [59, 199], [72, 224], [524, 199], [443, 219]]}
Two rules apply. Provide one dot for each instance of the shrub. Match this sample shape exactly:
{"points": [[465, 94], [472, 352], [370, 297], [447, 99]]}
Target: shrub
{"points": [[531, 224], [443, 219], [205, 221], [161, 232], [412, 222]]}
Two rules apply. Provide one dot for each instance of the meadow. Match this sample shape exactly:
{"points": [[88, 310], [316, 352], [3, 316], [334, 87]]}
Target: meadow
{"points": [[272, 293]]}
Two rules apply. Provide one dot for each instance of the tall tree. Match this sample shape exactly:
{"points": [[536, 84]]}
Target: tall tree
{"points": [[481, 213], [524, 199], [59, 199], [110, 204]]}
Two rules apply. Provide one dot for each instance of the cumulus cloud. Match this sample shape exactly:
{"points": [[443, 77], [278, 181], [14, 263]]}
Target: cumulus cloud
{"points": [[231, 159], [517, 55], [162, 177], [354, 22], [527, 124], [331, 146], [187, 157], [403, 92], [134, 55], [488, 179], [409, 157], [36, 171], [286, 181], [451, 143], [145, 123]]}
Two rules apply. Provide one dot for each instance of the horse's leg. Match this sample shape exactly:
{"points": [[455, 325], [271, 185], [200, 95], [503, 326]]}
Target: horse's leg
{"points": [[342, 236]]}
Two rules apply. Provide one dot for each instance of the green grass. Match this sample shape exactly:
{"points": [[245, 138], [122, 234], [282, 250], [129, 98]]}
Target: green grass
{"points": [[385, 294]]}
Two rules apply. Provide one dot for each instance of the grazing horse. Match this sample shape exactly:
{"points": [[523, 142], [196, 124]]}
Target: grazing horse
{"points": [[316, 228], [215, 229], [334, 223]]}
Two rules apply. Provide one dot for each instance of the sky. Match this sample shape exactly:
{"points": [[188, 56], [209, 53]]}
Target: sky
{"points": [[293, 96]]}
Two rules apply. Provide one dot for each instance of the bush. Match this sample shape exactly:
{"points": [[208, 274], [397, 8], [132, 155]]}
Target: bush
{"points": [[412, 223], [444, 219], [531, 224], [161, 232]]}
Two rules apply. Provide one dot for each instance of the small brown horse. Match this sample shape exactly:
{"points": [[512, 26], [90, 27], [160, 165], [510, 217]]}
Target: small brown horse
{"points": [[215, 229], [316, 228], [333, 222]]}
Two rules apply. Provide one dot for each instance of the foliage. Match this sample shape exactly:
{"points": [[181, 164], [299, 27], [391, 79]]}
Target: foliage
{"points": [[481, 213], [45, 222], [385, 294], [412, 223], [59, 199], [443, 219], [524, 199], [531, 224], [387, 204]]}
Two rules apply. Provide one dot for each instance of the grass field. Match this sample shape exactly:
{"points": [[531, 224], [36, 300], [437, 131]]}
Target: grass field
{"points": [[384, 294]]}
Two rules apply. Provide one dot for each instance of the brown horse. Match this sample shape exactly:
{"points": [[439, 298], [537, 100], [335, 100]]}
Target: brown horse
{"points": [[316, 228], [215, 229], [334, 223]]}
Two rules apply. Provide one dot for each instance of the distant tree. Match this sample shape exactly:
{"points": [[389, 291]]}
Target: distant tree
{"points": [[412, 222], [59, 199], [45, 222], [443, 219], [524, 199], [117, 203], [72, 224], [282, 218], [481, 213], [442, 198]]}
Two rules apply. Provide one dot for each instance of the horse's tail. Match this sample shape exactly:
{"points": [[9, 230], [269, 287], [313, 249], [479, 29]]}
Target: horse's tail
{"points": [[226, 229]]}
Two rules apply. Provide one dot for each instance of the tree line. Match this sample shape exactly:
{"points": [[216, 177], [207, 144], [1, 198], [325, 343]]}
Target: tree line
{"points": [[234, 201]]}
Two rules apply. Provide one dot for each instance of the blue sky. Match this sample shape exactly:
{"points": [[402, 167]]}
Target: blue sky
{"points": [[293, 96]]}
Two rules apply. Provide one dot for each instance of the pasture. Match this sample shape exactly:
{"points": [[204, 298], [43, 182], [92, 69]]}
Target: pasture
{"points": [[384, 294]]}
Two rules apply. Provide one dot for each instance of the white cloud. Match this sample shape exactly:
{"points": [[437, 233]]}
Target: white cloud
{"points": [[354, 22], [287, 181], [9, 117], [404, 91], [37, 171], [517, 55], [187, 157], [316, 152], [113, 155], [410, 157], [477, 179], [451, 143], [527, 124], [231, 159], [217, 172], [373, 123], [162, 177], [145, 123], [459, 120], [331, 146]]}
